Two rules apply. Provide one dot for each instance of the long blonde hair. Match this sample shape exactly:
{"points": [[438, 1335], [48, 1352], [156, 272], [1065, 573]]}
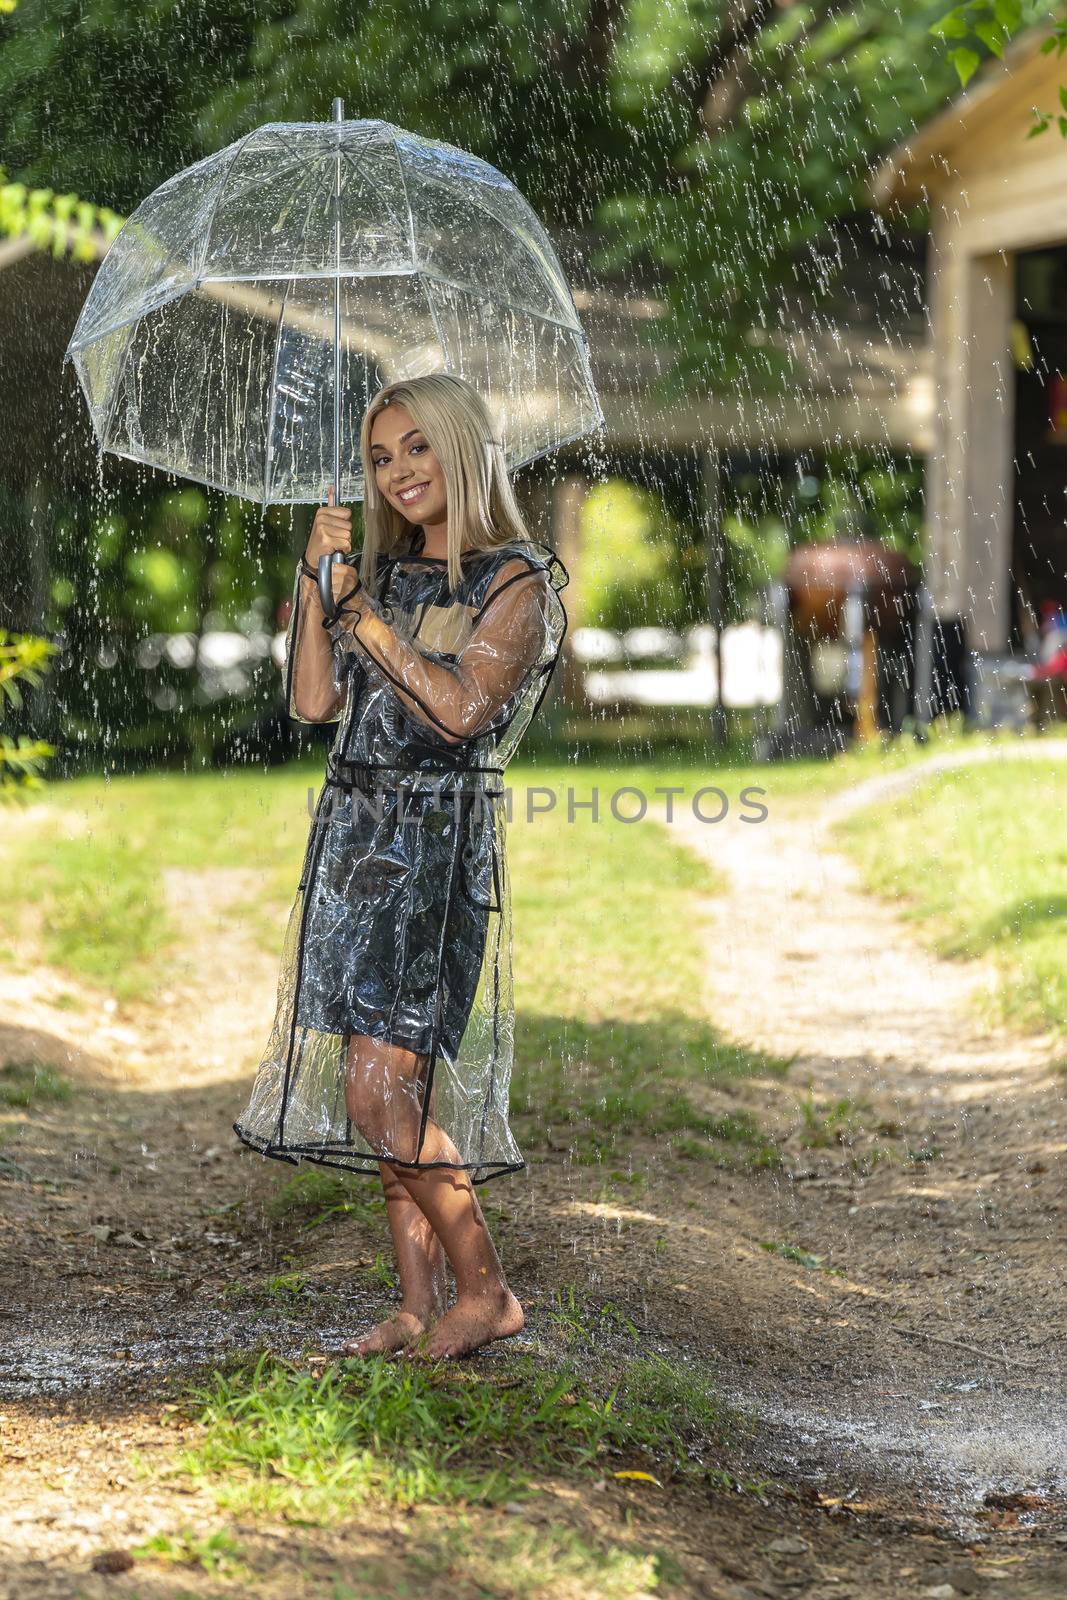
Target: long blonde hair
{"points": [[482, 509]]}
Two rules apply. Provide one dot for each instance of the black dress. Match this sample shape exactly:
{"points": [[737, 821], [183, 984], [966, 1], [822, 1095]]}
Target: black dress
{"points": [[400, 934]]}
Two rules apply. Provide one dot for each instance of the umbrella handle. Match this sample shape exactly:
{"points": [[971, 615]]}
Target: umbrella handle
{"points": [[326, 561]]}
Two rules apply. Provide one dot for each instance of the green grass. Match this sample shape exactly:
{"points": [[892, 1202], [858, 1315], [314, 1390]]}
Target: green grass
{"points": [[27, 1083], [96, 871], [802, 1258], [578, 1323], [217, 1553], [315, 1196], [513, 1561], [837, 1123], [977, 860], [611, 941], [278, 1440], [612, 1038]]}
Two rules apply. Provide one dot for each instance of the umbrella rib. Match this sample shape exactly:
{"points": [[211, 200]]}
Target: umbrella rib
{"points": [[113, 397], [268, 463], [228, 174], [407, 197], [472, 199]]}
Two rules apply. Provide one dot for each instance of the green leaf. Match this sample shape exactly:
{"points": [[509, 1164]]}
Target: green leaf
{"points": [[965, 62], [992, 35], [1063, 96], [953, 25], [1008, 13]]}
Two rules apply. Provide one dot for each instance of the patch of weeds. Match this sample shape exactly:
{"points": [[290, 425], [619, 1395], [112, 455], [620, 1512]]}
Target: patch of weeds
{"points": [[285, 1286], [750, 1147], [30, 1082], [925, 1152], [12, 1172], [838, 1123], [864, 1163], [577, 1320], [313, 1197], [497, 1218], [803, 1258], [380, 1273], [217, 1553], [632, 1183], [280, 1440], [592, 1110]]}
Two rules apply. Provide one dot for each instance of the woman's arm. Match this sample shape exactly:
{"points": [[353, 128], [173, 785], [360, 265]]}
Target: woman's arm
{"points": [[458, 700], [314, 683]]}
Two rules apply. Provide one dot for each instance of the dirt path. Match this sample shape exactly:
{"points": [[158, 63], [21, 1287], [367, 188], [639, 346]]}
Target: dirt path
{"points": [[902, 1344], [934, 1364]]}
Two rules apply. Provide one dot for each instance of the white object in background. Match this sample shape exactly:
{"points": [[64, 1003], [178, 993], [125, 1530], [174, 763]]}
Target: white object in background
{"points": [[596, 644], [642, 643], [751, 665], [752, 674]]}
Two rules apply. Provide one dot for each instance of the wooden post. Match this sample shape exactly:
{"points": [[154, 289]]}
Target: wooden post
{"points": [[867, 704], [970, 475], [567, 499]]}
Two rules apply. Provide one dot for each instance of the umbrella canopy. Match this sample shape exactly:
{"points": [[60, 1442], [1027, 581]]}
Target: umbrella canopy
{"points": [[253, 304]]}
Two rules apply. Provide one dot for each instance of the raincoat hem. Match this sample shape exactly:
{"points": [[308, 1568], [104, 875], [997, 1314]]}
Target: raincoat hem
{"points": [[345, 1157]]}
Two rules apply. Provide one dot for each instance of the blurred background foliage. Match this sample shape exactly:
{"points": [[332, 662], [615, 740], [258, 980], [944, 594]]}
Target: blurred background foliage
{"points": [[710, 146]]}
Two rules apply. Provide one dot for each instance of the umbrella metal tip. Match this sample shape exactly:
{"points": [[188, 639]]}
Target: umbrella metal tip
{"points": [[338, 110]]}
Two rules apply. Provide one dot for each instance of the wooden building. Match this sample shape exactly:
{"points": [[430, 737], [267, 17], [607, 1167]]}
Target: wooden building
{"points": [[996, 495]]}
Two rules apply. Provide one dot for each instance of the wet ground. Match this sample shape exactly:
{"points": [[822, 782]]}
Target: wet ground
{"points": [[900, 1345]]}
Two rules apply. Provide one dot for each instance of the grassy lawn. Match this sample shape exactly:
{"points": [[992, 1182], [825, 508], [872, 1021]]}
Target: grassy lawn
{"points": [[977, 859], [609, 955], [274, 1443]]}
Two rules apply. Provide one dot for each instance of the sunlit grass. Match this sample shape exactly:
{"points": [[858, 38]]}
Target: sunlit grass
{"points": [[976, 858], [611, 952], [96, 872], [609, 948], [217, 1553], [280, 1440]]}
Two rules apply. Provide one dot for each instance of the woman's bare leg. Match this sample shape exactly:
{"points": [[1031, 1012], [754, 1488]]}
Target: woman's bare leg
{"points": [[485, 1307], [384, 1101], [420, 1261], [420, 1258]]}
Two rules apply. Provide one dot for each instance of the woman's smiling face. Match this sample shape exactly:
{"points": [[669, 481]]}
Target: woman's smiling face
{"points": [[408, 474]]}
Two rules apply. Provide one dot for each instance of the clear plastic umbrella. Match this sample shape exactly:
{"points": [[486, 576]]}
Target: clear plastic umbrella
{"points": [[254, 303]]}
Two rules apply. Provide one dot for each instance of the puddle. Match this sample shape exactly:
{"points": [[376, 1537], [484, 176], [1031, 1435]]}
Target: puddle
{"points": [[947, 1450]]}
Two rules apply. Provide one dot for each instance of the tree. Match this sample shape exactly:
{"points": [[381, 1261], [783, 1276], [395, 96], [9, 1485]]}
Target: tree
{"points": [[22, 658], [712, 141]]}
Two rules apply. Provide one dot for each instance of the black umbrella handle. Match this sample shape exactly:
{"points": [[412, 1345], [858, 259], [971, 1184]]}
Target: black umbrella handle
{"points": [[329, 609]]}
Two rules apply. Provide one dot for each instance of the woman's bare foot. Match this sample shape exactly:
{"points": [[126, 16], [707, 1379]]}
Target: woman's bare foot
{"points": [[395, 1333], [474, 1320]]}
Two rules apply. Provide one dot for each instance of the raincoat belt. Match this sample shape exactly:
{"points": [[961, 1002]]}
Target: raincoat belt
{"points": [[350, 775]]}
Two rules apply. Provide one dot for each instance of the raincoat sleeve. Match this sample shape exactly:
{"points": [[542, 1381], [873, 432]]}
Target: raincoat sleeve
{"points": [[458, 698], [306, 613]]}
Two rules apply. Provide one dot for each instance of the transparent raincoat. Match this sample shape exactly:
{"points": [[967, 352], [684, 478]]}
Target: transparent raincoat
{"points": [[396, 962]]}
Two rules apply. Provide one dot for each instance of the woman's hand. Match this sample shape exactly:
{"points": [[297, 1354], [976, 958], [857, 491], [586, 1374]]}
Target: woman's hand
{"points": [[332, 530]]}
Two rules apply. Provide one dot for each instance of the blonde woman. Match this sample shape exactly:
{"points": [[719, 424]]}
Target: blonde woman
{"points": [[391, 1050]]}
